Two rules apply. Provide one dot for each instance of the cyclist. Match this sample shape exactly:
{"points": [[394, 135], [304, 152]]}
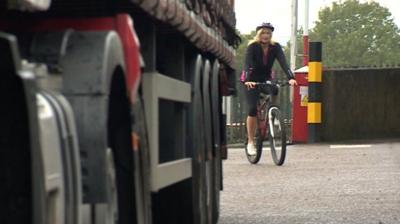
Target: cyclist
{"points": [[260, 56]]}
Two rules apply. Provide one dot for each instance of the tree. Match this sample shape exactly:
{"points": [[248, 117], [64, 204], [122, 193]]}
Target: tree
{"points": [[299, 53], [238, 103], [357, 34], [241, 51]]}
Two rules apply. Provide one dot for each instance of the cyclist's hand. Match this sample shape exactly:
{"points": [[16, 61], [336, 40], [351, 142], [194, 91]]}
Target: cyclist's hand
{"points": [[250, 85], [293, 82]]}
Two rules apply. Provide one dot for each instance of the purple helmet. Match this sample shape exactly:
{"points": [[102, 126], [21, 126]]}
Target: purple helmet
{"points": [[265, 25]]}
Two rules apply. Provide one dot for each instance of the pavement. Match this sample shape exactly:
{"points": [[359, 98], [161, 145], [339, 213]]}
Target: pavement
{"points": [[356, 183]]}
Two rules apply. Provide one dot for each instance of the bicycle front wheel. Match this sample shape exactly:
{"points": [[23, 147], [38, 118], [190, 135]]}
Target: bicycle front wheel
{"points": [[277, 135]]}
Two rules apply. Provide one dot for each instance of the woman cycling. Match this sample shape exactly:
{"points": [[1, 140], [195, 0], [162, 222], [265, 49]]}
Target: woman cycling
{"points": [[260, 56]]}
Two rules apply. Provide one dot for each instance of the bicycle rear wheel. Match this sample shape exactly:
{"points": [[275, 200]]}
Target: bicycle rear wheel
{"points": [[277, 136], [254, 159]]}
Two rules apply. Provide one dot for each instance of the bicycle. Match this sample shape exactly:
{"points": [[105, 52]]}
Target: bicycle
{"points": [[273, 120]]}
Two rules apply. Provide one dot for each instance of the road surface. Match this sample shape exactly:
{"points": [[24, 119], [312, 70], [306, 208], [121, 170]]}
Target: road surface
{"points": [[318, 184]]}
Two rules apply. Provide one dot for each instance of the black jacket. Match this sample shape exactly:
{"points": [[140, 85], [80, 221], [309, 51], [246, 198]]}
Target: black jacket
{"points": [[257, 66]]}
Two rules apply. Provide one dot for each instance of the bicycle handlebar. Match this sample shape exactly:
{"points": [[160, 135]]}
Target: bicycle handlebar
{"points": [[274, 82]]}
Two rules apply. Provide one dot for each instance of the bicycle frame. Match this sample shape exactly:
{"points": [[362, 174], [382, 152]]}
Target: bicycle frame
{"points": [[267, 114], [262, 114], [263, 108]]}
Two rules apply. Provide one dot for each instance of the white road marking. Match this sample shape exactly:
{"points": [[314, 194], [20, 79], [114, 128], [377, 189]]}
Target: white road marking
{"points": [[349, 146]]}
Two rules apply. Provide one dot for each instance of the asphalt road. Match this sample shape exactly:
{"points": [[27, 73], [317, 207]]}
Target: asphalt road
{"points": [[318, 184]]}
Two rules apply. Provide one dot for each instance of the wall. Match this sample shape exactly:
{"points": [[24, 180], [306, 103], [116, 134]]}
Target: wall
{"points": [[361, 104]]}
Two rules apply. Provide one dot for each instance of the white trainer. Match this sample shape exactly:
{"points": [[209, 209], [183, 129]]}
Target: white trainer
{"points": [[251, 149]]}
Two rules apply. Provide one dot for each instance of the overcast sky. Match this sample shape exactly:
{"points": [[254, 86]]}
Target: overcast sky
{"points": [[250, 13]]}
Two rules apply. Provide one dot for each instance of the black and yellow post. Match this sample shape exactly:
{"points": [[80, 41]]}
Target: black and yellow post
{"points": [[314, 106]]}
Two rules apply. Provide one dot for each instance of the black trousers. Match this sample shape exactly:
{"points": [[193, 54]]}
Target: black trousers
{"points": [[252, 96]]}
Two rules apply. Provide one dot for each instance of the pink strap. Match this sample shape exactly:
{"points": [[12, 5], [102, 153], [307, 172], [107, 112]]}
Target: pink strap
{"points": [[243, 76]]}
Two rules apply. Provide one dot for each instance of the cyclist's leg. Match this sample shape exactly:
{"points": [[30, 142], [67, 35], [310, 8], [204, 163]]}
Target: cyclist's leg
{"points": [[251, 122]]}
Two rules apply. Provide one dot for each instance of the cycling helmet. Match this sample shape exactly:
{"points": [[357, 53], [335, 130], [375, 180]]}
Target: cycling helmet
{"points": [[265, 25]]}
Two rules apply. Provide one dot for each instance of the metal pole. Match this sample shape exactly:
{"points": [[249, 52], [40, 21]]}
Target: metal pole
{"points": [[293, 45], [314, 105], [305, 36]]}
